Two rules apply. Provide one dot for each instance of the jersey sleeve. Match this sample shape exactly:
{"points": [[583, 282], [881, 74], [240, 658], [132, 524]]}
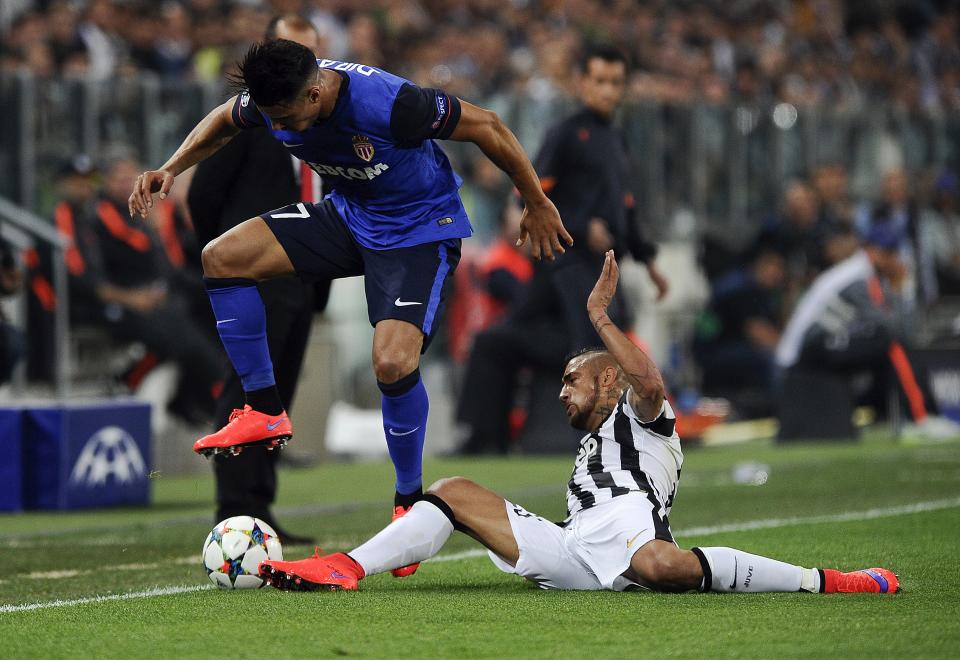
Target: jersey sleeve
{"points": [[245, 112], [423, 113]]}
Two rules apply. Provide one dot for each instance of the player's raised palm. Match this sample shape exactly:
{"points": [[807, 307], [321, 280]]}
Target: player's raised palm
{"points": [[605, 287], [148, 183], [542, 225]]}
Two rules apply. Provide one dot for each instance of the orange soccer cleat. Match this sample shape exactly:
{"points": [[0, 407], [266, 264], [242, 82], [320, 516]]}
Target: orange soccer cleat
{"points": [[246, 428], [337, 572], [868, 580], [403, 571]]}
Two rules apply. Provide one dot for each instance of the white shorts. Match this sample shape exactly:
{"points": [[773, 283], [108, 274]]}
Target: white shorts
{"points": [[591, 552]]}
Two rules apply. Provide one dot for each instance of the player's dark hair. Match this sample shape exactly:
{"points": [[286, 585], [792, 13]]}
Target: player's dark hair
{"points": [[275, 71], [583, 351], [605, 52]]}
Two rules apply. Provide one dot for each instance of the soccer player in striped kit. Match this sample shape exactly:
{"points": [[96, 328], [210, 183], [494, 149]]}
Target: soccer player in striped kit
{"points": [[617, 534]]}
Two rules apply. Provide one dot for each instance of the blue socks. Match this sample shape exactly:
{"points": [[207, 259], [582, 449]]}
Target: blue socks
{"points": [[242, 325], [405, 407]]}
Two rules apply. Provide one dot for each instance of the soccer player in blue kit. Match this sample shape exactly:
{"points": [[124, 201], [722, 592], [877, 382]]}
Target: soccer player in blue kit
{"points": [[393, 215]]}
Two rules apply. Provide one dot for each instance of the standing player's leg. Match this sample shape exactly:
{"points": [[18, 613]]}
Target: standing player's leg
{"points": [[665, 567], [405, 295], [454, 503], [232, 266]]}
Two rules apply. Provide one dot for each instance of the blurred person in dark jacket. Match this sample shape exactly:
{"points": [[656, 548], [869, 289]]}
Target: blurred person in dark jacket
{"points": [[584, 168], [133, 277], [737, 334]]}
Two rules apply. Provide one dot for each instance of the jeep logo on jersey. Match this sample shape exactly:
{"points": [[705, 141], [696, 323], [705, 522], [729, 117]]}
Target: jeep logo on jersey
{"points": [[362, 147], [587, 449], [109, 451], [337, 65], [365, 174]]}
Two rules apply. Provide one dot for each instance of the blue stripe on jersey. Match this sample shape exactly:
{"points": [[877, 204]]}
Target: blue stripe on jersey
{"points": [[436, 290]]}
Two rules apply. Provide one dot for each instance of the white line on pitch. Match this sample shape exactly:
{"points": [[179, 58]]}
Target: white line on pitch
{"points": [[747, 525], [147, 593]]}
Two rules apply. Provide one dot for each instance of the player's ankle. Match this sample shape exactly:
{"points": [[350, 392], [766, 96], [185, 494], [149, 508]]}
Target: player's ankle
{"points": [[265, 400]]}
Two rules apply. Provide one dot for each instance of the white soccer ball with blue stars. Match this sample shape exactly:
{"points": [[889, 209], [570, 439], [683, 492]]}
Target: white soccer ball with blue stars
{"points": [[234, 549]]}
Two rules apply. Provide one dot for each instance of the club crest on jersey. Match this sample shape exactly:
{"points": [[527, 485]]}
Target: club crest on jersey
{"points": [[363, 147]]}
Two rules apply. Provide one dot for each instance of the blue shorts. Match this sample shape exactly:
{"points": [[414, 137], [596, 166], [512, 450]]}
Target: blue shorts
{"points": [[409, 283]]}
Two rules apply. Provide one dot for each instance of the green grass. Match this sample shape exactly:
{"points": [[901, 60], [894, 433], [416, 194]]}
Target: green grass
{"points": [[467, 608]]}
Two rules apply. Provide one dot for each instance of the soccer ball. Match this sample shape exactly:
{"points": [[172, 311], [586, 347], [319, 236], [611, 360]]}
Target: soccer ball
{"points": [[234, 549]]}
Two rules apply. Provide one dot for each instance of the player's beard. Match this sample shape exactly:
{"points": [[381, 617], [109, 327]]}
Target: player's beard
{"points": [[582, 416]]}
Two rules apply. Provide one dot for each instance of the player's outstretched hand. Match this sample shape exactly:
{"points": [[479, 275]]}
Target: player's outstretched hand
{"points": [[153, 181], [541, 224], [605, 287]]}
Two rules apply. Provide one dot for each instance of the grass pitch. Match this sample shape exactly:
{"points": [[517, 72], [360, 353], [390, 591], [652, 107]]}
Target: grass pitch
{"points": [[129, 581]]}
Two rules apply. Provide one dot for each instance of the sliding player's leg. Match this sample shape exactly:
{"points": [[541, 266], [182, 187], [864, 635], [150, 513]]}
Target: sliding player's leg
{"points": [[665, 567], [450, 504], [405, 299]]}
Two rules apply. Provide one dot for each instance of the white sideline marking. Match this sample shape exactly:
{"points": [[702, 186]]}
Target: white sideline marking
{"points": [[147, 593], [747, 525], [847, 516]]}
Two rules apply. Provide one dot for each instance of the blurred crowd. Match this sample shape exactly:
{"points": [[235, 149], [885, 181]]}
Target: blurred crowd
{"points": [[803, 52]]}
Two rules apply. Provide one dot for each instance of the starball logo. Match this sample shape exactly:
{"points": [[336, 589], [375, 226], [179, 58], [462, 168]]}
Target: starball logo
{"points": [[109, 451]]}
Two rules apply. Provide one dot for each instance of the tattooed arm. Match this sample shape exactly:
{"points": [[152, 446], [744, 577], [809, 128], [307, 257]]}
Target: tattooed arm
{"points": [[646, 385]]}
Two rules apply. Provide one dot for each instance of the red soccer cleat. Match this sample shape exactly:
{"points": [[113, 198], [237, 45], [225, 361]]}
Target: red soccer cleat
{"points": [[868, 580], [336, 572], [246, 428], [403, 571]]}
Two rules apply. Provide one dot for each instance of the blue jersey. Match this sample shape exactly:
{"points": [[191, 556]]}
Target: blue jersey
{"points": [[387, 178]]}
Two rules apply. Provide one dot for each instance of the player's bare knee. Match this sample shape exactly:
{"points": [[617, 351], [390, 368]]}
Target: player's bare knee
{"points": [[452, 490], [392, 364], [215, 258]]}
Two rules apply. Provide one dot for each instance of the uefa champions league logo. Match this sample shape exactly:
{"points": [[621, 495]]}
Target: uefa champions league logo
{"points": [[109, 451]]}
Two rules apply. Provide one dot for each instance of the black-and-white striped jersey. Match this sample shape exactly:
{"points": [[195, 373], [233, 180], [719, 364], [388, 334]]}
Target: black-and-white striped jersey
{"points": [[627, 455]]}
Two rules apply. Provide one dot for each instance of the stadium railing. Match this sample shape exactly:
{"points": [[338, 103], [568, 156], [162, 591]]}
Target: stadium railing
{"points": [[724, 166]]}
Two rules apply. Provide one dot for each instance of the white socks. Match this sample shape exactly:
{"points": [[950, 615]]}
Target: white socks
{"points": [[730, 570], [416, 536]]}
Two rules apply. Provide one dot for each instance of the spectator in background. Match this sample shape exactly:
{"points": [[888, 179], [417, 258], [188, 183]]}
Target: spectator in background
{"points": [[483, 332], [485, 288], [898, 214], [796, 233], [13, 342], [737, 334], [73, 217], [831, 185], [132, 273], [939, 237], [255, 173], [853, 321]]}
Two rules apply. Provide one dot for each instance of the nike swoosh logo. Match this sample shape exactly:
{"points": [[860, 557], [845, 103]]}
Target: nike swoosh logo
{"points": [[299, 144], [630, 542], [392, 432], [404, 303], [339, 576], [275, 424], [733, 585], [225, 321]]}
